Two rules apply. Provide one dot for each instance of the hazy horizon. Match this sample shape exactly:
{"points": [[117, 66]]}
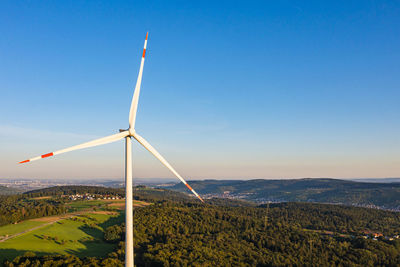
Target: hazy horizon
{"points": [[177, 181]]}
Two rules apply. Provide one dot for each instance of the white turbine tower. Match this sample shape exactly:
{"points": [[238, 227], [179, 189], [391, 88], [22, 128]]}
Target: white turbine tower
{"points": [[127, 134]]}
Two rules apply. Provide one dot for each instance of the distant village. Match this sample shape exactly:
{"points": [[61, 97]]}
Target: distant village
{"points": [[248, 196], [375, 236], [87, 196], [227, 194]]}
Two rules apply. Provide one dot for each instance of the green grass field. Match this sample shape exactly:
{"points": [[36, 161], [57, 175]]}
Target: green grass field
{"points": [[84, 204], [80, 205], [17, 228], [81, 236]]}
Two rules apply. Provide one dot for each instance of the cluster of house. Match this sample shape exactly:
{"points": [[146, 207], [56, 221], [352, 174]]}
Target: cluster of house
{"points": [[375, 236], [227, 194], [93, 197]]}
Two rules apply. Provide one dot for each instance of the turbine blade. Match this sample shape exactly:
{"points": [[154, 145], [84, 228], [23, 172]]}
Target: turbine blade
{"points": [[97, 142], [153, 151], [135, 99]]}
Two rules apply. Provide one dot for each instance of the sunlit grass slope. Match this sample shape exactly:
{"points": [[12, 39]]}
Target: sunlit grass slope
{"points": [[81, 236], [11, 229]]}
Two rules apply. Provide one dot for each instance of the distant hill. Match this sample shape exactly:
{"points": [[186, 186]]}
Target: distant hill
{"points": [[139, 192], [74, 189], [9, 190], [383, 195], [377, 180]]}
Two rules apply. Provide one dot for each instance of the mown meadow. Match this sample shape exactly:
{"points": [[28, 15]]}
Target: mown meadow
{"points": [[80, 233]]}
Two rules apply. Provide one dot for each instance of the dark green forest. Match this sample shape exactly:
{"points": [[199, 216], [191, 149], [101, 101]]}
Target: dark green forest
{"points": [[140, 192], [183, 232], [18, 207], [74, 189]]}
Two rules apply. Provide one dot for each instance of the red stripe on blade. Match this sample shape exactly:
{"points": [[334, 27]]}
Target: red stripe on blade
{"points": [[47, 155], [188, 186], [147, 35], [144, 52], [25, 161]]}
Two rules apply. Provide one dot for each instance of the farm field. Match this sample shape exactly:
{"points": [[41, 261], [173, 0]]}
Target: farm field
{"points": [[102, 204], [86, 204], [78, 232], [81, 235], [17, 228]]}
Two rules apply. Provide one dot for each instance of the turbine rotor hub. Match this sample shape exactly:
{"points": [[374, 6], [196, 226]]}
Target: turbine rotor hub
{"points": [[131, 131]]}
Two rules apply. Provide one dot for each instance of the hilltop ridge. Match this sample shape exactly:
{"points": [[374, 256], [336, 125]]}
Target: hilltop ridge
{"points": [[322, 190]]}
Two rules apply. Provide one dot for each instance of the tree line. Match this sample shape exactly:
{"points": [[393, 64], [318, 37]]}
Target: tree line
{"points": [[183, 232], [189, 234], [17, 208]]}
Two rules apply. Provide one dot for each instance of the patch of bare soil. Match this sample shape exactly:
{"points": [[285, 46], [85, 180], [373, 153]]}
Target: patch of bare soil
{"points": [[48, 219], [45, 197], [104, 212], [121, 205]]}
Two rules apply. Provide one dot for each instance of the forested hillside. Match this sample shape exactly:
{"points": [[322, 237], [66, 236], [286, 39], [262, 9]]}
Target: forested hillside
{"points": [[139, 192], [8, 190], [384, 195], [184, 232], [74, 189], [16, 208]]}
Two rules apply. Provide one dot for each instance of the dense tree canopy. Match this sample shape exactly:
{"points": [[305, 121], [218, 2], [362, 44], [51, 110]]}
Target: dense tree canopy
{"points": [[74, 189], [186, 233], [17, 208]]}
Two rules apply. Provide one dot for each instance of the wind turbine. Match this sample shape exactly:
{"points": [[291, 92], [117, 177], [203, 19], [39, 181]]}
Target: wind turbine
{"points": [[127, 134]]}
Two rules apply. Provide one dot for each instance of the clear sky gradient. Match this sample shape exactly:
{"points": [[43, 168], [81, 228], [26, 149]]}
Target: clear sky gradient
{"points": [[231, 89]]}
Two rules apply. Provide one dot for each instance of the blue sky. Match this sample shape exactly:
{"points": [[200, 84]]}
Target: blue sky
{"points": [[231, 89]]}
